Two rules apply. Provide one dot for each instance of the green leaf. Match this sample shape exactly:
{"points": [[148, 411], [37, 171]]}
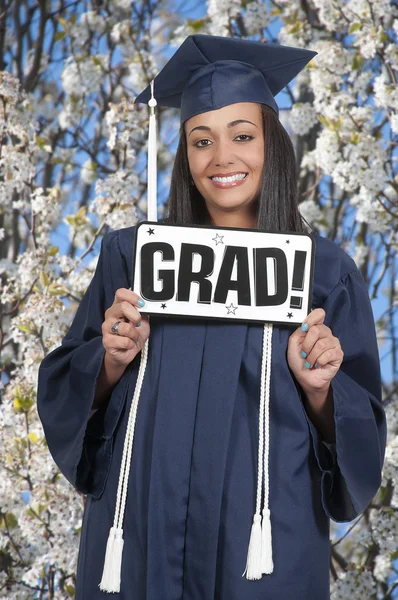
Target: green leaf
{"points": [[357, 61], [354, 137], [198, 24], [59, 35], [354, 27], [323, 120], [22, 403], [56, 289], [44, 280], [11, 520], [71, 219], [70, 590], [296, 28]]}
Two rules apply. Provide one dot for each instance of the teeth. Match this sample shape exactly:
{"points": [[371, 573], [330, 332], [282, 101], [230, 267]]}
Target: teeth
{"points": [[238, 177]]}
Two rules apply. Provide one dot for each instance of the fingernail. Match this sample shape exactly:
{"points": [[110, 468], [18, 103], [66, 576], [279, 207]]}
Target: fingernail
{"points": [[138, 324], [316, 365], [304, 327], [141, 302], [307, 364], [303, 354]]}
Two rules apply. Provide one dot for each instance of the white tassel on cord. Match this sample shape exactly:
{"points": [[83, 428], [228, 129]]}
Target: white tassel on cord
{"points": [[260, 535], [267, 565], [152, 174], [111, 575]]}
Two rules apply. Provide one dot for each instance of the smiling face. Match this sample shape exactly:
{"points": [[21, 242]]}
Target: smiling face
{"points": [[226, 157]]}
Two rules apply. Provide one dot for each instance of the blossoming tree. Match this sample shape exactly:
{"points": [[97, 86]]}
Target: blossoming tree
{"points": [[72, 165]]}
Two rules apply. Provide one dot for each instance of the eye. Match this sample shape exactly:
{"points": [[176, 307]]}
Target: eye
{"points": [[202, 143], [244, 135]]}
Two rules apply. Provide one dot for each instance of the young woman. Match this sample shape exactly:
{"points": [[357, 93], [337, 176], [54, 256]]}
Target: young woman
{"points": [[191, 485]]}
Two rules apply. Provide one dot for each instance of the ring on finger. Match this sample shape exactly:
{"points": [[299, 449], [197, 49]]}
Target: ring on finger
{"points": [[115, 328]]}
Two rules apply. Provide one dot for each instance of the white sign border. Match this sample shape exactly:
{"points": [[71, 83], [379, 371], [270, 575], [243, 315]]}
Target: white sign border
{"points": [[237, 319]]}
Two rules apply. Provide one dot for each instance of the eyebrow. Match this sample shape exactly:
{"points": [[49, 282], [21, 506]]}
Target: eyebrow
{"points": [[231, 124]]}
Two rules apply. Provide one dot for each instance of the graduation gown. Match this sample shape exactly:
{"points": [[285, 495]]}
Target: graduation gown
{"points": [[192, 484]]}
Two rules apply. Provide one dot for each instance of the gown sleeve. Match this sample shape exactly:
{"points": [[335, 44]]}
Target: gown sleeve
{"points": [[82, 446], [351, 468]]}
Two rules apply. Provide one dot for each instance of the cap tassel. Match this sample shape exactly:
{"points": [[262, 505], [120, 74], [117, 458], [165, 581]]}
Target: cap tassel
{"points": [[152, 174], [111, 575], [259, 555]]}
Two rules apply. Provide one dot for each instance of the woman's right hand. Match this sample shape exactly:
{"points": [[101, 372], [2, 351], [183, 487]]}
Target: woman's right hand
{"points": [[123, 347]]}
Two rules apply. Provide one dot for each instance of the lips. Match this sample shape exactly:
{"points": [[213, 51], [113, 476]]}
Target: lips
{"points": [[228, 180]]}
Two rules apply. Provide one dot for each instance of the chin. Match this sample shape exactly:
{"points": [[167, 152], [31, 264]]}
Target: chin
{"points": [[229, 203]]}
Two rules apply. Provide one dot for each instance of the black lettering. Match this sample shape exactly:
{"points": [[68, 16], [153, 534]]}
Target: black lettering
{"points": [[186, 275], [147, 272], [242, 283], [261, 277]]}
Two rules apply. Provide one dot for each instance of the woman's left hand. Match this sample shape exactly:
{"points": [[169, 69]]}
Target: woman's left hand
{"points": [[319, 346]]}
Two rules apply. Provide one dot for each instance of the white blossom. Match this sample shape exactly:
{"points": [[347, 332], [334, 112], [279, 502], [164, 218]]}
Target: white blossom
{"points": [[83, 77], [383, 566], [386, 94], [9, 87], [257, 16], [394, 122], [384, 525], [302, 117], [220, 12], [360, 255], [89, 172], [93, 21], [310, 211], [356, 584]]}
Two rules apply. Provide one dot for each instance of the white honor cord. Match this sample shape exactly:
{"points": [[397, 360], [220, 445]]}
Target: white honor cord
{"points": [[111, 576], [152, 172], [259, 556], [267, 565]]}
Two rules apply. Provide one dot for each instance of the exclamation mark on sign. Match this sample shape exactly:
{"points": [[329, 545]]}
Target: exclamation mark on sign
{"points": [[300, 257]]}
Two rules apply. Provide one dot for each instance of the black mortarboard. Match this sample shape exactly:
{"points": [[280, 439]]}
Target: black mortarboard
{"points": [[208, 72]]}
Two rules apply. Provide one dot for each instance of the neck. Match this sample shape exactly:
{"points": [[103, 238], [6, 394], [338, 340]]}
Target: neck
{"points": [[234, 219]]}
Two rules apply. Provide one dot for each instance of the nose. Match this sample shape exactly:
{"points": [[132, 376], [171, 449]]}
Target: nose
{"points": [[223, 156]]}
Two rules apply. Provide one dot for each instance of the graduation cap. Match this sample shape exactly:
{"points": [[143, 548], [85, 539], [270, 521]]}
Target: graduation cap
{"points": [[207, 73]]}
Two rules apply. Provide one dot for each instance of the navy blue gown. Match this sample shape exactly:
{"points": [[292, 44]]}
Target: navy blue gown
{"points": [[192, 485]]}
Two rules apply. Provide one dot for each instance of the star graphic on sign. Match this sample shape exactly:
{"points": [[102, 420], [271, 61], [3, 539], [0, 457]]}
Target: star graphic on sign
{"points": [[231, 309], [289, 315], [287, 241], [218, 239], [151, 231], [163, 306]]}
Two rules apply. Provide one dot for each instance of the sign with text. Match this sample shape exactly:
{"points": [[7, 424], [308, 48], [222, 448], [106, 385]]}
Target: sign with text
{"points": [[223, 272]]}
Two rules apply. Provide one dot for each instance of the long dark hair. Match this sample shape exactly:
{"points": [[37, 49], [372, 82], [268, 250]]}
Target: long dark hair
{"points": [[277, 201]]}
